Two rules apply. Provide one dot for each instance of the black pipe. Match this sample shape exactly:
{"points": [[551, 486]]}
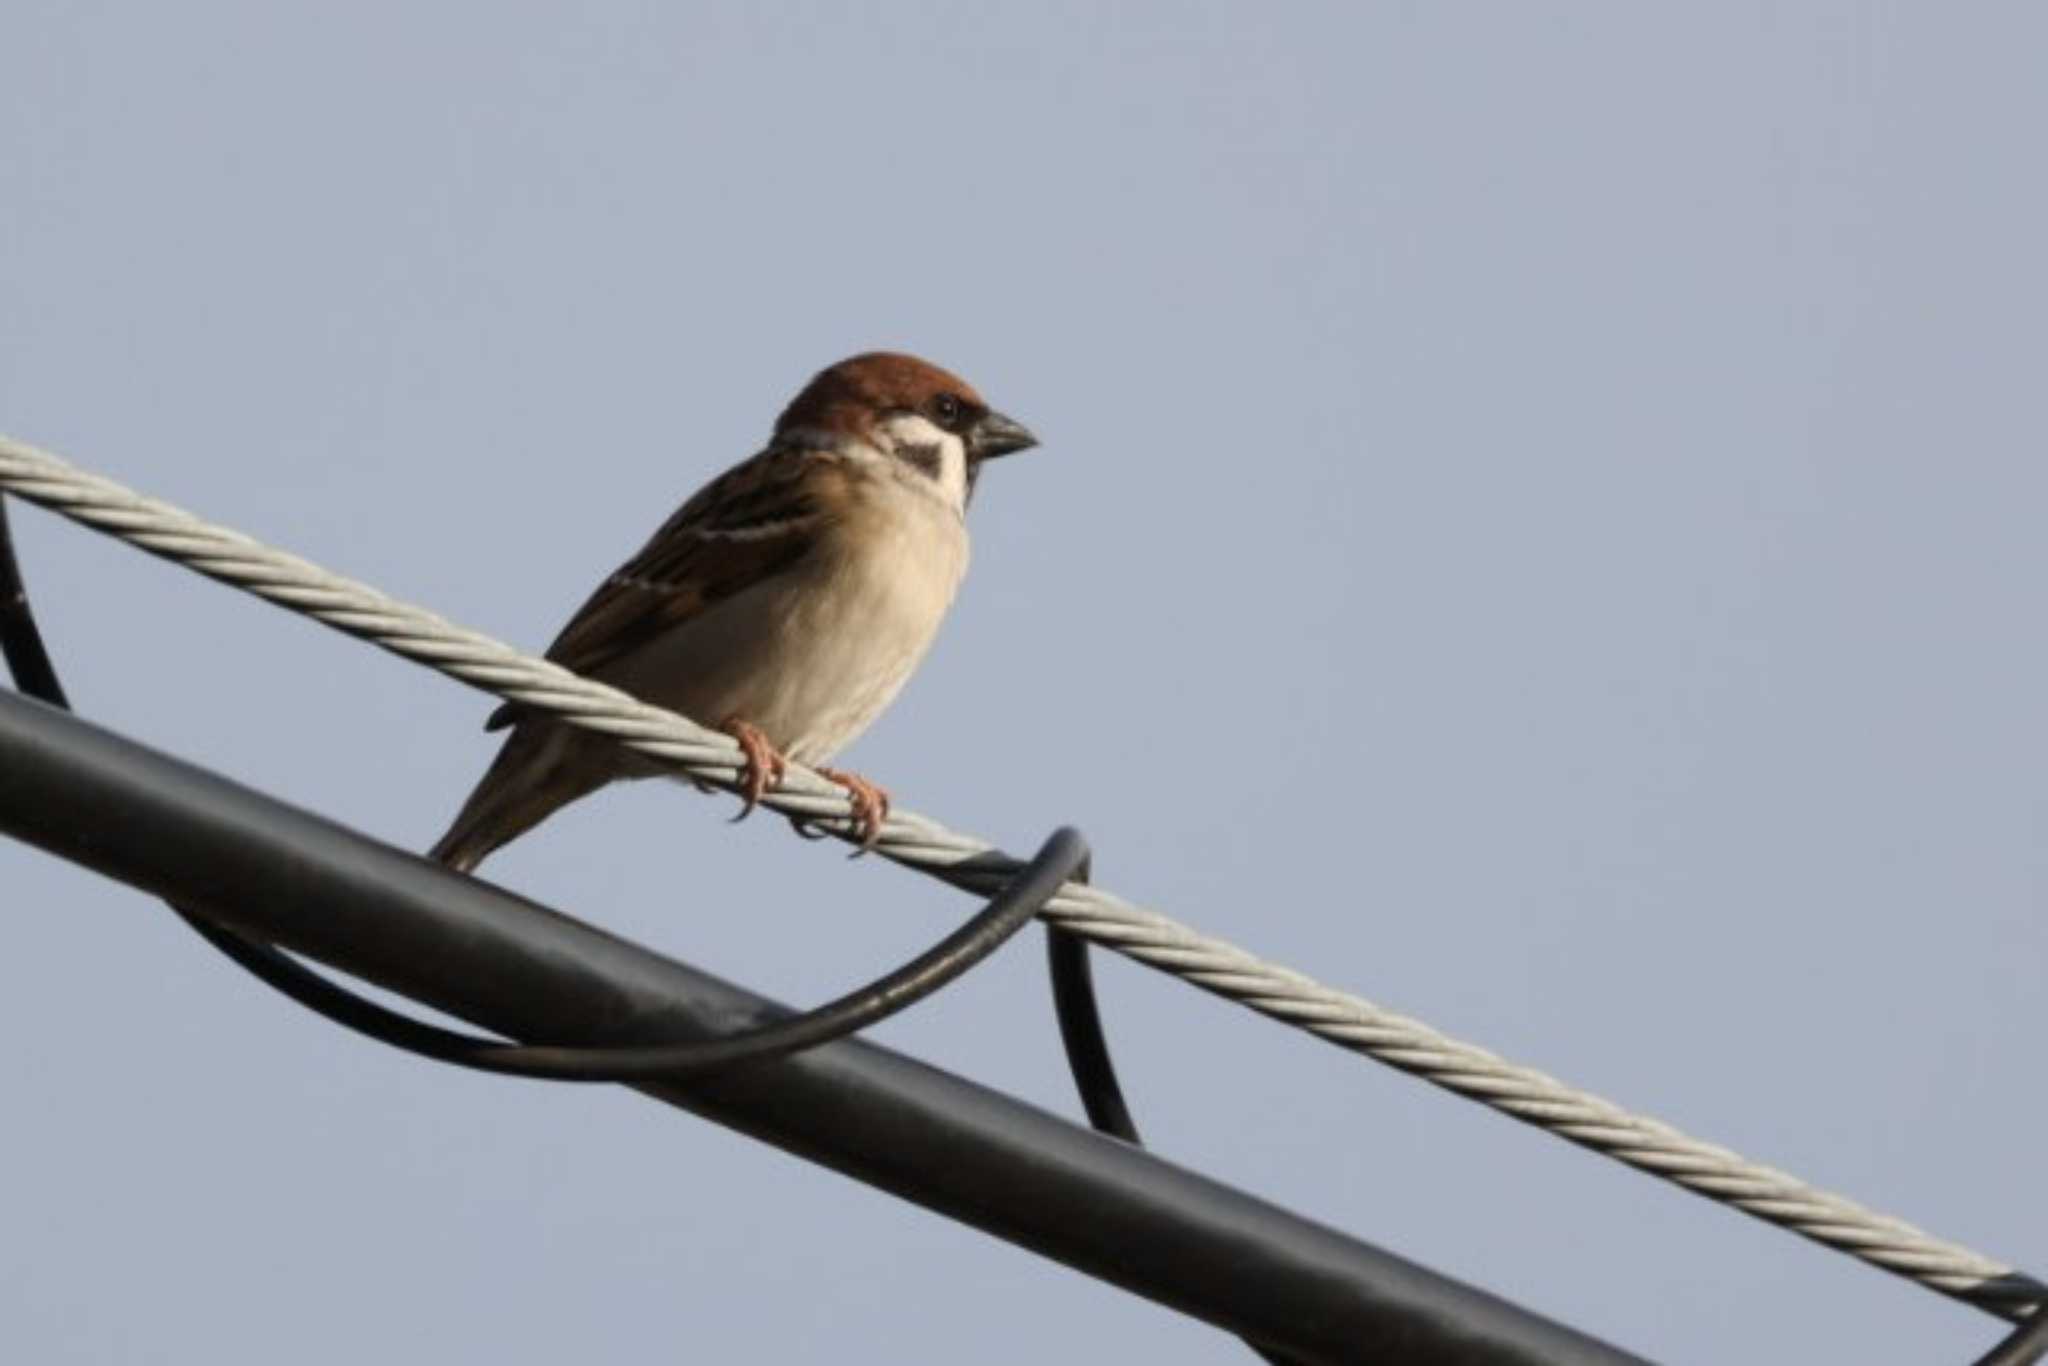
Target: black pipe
{"points": [[459, 944], [1063, 857]]}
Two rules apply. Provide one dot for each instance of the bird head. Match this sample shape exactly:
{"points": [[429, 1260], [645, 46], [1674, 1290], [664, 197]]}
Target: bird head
{"points": [[909, 410]]}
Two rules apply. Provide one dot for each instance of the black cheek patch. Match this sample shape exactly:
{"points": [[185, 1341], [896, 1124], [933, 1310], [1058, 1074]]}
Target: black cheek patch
{"points": [[926, 460]]}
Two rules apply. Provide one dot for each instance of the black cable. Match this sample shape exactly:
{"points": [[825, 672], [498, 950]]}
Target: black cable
{"points": [[20, 642], [1080, 1018], [2024, 1346], [1063, 853], [333, 896], [1012, 909]]}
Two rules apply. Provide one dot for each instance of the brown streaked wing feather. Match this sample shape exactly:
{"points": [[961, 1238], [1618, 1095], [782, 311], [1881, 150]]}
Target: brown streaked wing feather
{"points": [[751, 523]]}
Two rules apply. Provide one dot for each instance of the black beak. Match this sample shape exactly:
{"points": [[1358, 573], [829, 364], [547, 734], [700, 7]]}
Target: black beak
{"points": [[997, 435]]}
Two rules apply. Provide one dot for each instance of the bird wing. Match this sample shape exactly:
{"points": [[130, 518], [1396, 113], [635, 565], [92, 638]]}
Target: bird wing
{"points": [[753, 522]]}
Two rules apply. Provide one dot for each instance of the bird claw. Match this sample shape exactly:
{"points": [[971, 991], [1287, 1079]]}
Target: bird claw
{"points": [[870, 804], [764, 768]]}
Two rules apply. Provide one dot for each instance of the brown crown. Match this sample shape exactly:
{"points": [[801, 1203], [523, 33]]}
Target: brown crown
{"points": [[847, 396]]}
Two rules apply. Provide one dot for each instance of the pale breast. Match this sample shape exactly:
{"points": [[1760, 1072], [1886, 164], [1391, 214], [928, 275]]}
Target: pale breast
{"points": [[813, 656]]}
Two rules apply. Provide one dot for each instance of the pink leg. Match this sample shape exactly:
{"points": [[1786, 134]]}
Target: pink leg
{"points": [[765, 766], [870, 803]]}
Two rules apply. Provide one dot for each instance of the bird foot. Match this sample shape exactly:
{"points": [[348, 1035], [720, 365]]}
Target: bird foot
{"points": [[764, 768], [870, 804]]}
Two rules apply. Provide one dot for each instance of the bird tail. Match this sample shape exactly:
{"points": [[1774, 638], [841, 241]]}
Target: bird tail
{"points": [[540, 768]]}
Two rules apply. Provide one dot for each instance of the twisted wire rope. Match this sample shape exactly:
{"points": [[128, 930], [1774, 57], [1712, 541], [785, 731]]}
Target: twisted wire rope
{"points": [[973, 864]]}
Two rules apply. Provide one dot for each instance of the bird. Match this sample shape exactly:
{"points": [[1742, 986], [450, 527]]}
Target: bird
{"points": [[786, 602]]}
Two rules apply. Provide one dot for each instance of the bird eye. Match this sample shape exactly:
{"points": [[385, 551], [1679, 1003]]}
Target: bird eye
{"points": [[946, 409]]}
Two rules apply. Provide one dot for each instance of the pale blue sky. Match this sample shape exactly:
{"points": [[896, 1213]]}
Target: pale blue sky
{"points": [[1539, 523]]}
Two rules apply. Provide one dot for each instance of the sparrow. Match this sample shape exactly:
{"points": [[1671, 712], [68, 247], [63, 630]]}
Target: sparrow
{"points": [[786, 603]]}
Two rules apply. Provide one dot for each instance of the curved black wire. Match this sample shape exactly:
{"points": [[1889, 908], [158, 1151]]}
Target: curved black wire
{"points": [[1061, 856], [20, 642], [1011, 910], [1080, 1019]]}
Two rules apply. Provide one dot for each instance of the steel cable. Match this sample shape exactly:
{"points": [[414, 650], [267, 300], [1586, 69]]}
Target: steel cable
{"points": [[976, 866]]}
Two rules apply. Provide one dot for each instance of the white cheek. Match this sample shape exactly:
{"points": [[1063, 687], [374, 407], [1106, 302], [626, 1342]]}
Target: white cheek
{"points": [[910, 429]]}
